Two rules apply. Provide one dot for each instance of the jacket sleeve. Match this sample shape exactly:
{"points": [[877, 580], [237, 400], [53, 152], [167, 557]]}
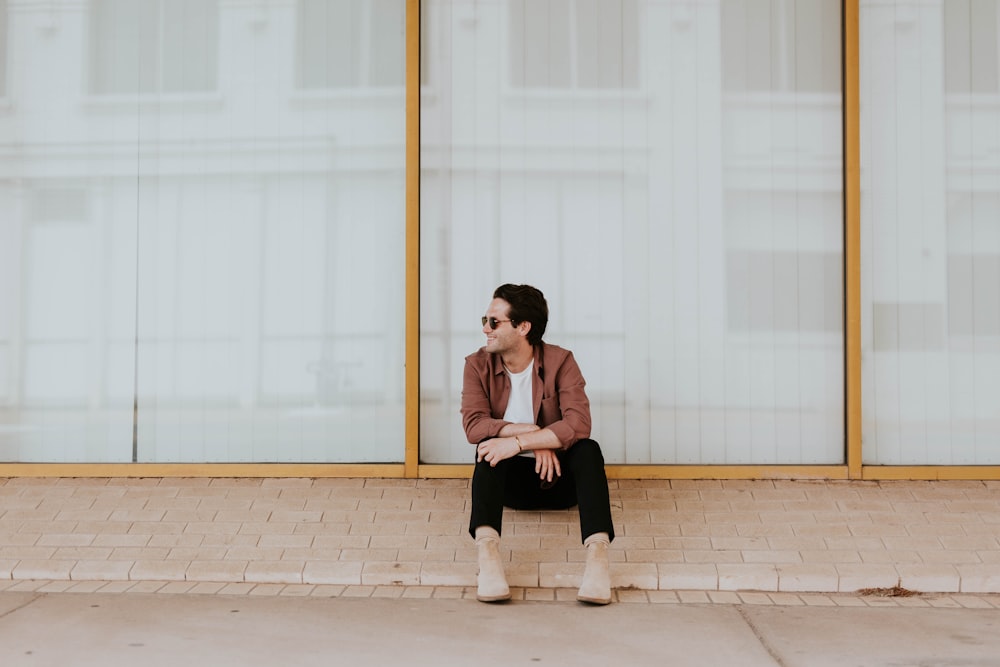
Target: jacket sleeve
{"points": [[477, 415], [567, 412]]}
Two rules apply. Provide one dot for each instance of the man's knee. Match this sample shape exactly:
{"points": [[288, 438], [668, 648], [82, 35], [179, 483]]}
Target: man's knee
{"points": [[587, 451]]}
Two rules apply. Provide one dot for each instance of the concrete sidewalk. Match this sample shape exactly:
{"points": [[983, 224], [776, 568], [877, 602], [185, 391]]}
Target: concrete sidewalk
{"points": [[57, 629], [711, 535]]}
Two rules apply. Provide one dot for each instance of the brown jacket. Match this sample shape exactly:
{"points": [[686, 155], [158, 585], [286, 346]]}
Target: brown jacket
{"points": [[557, 392]]}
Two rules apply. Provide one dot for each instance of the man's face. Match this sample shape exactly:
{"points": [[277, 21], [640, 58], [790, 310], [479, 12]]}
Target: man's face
{"points": [[505, 337]]}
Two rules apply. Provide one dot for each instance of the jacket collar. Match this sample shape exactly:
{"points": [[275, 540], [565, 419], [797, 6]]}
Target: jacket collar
{"points": [[538, 351]]}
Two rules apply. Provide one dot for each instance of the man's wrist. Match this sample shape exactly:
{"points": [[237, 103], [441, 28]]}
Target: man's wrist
{"points": [[517, 441]]}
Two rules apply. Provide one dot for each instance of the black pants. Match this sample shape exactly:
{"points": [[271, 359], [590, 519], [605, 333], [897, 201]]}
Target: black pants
{"points": [[515, 484]]}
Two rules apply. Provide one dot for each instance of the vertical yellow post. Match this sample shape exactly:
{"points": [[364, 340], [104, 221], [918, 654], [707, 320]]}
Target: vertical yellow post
{"points": [[852, 232], [412, 460]]}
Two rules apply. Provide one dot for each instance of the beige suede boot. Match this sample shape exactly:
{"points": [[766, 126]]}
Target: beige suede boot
{"points": [[492, 582], [596, 586]]}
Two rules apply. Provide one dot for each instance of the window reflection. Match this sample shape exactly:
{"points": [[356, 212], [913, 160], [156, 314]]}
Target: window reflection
{"points": [[350, 43], [153, 46], [3, 48], [574, 44]]}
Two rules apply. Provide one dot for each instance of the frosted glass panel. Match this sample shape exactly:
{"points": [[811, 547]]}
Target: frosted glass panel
{"points": [[675, 194], [189, 230], [930, 101]]}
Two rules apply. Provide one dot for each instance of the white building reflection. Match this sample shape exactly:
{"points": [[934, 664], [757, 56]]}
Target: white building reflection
{"points": [[202, 224]]}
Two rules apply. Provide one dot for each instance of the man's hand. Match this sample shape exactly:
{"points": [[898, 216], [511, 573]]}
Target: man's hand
{"points": [[547, 465], [495, 450]]}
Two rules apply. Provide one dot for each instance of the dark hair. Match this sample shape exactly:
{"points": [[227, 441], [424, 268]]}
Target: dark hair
{"points": [[527, 304]]}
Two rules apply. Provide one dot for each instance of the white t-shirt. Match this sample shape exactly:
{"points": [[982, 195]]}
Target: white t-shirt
{"points": [[519, 407]]}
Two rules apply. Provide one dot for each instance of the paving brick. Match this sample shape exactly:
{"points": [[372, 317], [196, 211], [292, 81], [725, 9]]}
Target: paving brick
{"points": [[283, 572], [747, 577], [448, 574], [159, 570], [927, 577], [688, 576], [43, 569], [228, 571], [101, 570], [812, 578], [394, 574], [332, 572]]}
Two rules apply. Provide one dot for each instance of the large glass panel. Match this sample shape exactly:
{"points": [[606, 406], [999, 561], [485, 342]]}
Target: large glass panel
{"points": [[670, 175], [67, 256], [930, 97], [3, 48], [194, 236]]}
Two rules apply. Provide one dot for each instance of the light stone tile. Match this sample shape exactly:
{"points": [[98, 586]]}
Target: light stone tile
{"points": [[743, 577], [158, 570], [117, 587], [418, 592], [926, 577], [285, 541], [978, 578], [206, 588], [279, 572], [688, 576], [786, 599], [818, 578], [57, 586], [101, 570], [453, 592], [332, 572], [448, 574], [693, 597], [398, 542], [391, 592], [148, 586], [43, 569], [264, 590], [358, 592], [561, 575], [176, 587], [635, 575], [539, 594], [87, 587], [972, 602], [662, 597], [237, 588], [815, 600], [390, 574], [28, 586], [524, 575], [724, 597], [121, 540], [228, 571]]}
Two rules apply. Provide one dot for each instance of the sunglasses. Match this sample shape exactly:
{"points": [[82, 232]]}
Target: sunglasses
{"points": [[494, 322]]}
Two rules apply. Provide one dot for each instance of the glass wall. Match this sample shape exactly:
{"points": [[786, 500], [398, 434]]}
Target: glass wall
{"points": [[202, 231], [930, 117], [670, 174]]}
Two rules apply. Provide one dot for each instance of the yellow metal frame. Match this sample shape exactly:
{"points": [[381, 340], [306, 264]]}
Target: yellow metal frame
{"points": [[852, 235], [411, 466]]}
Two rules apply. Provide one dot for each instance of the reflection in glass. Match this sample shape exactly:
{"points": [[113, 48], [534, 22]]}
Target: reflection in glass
{"points": [[190, 277], [675, 193], [931, 232]]}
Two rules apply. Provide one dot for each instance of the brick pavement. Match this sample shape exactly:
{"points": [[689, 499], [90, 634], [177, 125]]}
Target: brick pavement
{"points": [[677, 539]]}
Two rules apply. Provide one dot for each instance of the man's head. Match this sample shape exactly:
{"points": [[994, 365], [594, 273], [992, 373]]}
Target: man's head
{"points": [[527, 305]]}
